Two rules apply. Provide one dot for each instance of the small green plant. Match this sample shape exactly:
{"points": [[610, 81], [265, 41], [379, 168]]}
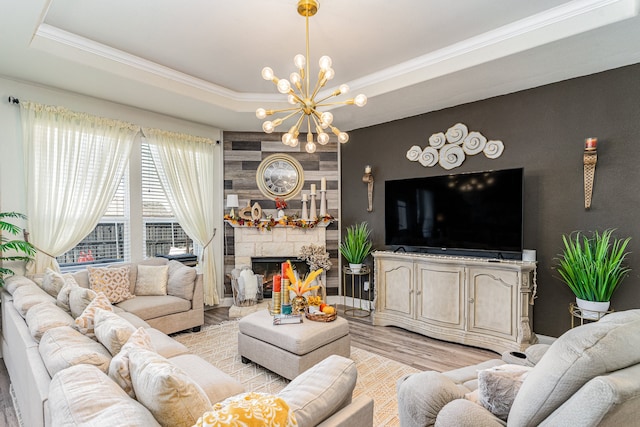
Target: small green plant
{"points": [[19, 246], [592, 266], [356, 245]]}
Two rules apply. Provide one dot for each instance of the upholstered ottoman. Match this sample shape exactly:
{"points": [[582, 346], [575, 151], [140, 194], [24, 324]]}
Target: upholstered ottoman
{"points": [[289, 350]]}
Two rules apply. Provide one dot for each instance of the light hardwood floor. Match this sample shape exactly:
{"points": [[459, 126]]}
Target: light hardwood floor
{"points": [[394, 343]]}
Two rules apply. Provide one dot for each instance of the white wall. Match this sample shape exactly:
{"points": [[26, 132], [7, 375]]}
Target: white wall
{"points": [[12, 183]]}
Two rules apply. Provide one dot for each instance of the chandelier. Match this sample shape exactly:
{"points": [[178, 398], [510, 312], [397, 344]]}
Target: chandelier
{"points": [[302, 96]]}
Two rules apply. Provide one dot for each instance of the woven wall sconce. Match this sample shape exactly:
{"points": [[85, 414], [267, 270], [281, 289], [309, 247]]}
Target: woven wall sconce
{"points": [[368, 179], [590, 158]]}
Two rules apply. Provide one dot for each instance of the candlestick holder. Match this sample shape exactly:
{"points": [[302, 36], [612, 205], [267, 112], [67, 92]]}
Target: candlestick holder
{"points": [[323, 203], [367, 178], [590, 158], [305, 211], [312, 207]]}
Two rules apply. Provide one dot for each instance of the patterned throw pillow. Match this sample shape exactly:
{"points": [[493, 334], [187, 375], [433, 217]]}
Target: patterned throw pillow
{"points": [[498, 386], [152, 280], [119, 368], [113, 282], [249, 409], [111, 330], [85, 323], [174, 399]]}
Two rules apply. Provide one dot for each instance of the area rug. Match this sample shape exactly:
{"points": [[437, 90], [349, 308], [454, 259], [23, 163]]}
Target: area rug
{"points": [[377, 375]]}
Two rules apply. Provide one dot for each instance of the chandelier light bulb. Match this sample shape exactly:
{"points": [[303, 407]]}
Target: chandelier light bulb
{"points": [[310, 147], [267, 73], [293, 142], [284, 86], [343, 137], [360, 100], [326, 119], [323, 138], [295, 78], [329, 73], [300, 61], [267, 126], [344, 89], [324, 62], [292, 100], [286, 138], [261, 113]]}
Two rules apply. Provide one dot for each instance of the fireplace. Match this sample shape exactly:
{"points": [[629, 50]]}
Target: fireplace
{"points": [[270, 266]]}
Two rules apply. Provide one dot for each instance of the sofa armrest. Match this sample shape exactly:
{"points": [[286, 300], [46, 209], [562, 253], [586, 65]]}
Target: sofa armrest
{"points": [[357, 414], [606, 400], [464, 413], [197, 303]]}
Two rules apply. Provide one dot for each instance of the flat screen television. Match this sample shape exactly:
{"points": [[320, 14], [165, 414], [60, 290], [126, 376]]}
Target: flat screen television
{"points": [[478, 214]]}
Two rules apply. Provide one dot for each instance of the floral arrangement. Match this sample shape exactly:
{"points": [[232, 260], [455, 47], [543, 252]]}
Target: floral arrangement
{"points": [[299, 286], [316, 256], [288, 221], [281, 203]]}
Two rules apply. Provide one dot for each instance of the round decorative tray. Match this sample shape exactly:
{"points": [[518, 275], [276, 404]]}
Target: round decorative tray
{"points": [[321, 317]]}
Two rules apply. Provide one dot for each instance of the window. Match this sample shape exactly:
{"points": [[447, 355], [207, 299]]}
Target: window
{"points": [[109, 241]]}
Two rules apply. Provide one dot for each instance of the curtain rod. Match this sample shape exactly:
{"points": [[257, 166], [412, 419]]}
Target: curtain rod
{"points": [[13, 100]]}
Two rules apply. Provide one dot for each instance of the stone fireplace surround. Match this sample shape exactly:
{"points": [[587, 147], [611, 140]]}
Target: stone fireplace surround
{"points": [[282, 242]]}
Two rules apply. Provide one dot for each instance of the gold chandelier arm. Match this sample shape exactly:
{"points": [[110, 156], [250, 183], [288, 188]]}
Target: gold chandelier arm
{"points": [[322, 80], [327, 104], [272, 112], [292, 114], [333, 94], [306, 18]]}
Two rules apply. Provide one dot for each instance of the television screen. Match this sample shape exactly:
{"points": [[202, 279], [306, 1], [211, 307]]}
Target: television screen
{"points": [[474, 212]]}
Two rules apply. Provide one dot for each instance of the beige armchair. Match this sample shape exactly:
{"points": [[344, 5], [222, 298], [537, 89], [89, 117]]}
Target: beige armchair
{"points": [[590, 376]]}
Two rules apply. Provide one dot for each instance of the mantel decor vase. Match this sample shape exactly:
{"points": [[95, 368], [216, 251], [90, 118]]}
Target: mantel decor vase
{"points": [[298, 304], [592, 309]]}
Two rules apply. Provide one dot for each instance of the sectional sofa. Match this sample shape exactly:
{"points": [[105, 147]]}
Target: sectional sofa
{"points": [[117, 369]]}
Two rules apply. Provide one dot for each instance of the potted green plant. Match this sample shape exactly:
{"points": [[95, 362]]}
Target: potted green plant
{"points": [[356, 245], [593, 268], [16, 245]]}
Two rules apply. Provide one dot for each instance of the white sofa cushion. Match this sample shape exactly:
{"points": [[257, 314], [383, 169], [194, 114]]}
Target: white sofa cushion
{"points": [[44, 316], [173, 398], [111, 330], [63, 347], [25, 297], [577, 356], [84, 396], [52, 282], [181, 280], [322, 390]]}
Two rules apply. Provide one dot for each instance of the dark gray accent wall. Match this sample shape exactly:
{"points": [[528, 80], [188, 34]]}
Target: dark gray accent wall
{"points": [[543, 130]]}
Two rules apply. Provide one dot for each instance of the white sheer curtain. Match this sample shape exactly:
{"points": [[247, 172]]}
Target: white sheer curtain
{"points": [[73, 164], [185, 165]]}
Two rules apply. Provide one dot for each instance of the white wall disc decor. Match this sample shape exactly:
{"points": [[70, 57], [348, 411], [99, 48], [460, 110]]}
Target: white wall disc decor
{"points": [[451, 148]]}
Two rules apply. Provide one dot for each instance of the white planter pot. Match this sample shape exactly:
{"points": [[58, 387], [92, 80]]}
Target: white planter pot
{"points": [[593, 310], [355, 268]]}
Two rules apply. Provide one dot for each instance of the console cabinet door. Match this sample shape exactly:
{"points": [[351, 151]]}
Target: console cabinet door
{"points": [[492, 303], [440, 295], [397, 296]]}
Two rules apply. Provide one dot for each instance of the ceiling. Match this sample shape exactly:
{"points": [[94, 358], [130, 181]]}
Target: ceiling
{"points": [[201, 60]]}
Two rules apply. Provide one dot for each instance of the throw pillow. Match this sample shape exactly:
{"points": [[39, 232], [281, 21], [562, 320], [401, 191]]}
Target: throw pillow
{"points": [[172, 396], [112, 281], [62, 299], [85, 322], [52, 282], [111, 330], [181, 280], [44, 316], [498, 387], [119, 370], [79, 299], [249, 409], [63, 347], [152, 280]]}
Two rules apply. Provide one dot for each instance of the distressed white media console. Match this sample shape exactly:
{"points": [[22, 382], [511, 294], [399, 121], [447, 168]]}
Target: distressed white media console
{"points": [[474, 301]]}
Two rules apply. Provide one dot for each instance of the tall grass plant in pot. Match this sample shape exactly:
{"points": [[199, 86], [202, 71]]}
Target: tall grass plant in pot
{"points": [[356, 245], [593, 268]]}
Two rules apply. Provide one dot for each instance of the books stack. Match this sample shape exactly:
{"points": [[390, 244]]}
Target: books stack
{"points": [[286, 319]]}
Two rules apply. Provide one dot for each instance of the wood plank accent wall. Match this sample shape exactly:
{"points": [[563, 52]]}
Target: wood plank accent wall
{"points": [[243, 152]]}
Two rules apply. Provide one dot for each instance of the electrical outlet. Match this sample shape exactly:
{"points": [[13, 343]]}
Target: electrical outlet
{"points": [[366, 285]]}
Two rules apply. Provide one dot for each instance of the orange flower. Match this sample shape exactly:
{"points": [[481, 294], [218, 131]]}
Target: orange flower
{"points": [[301, 287]]}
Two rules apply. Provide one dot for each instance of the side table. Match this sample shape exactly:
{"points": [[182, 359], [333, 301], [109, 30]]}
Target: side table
{"points": [[584, 316], [356, 281]]}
